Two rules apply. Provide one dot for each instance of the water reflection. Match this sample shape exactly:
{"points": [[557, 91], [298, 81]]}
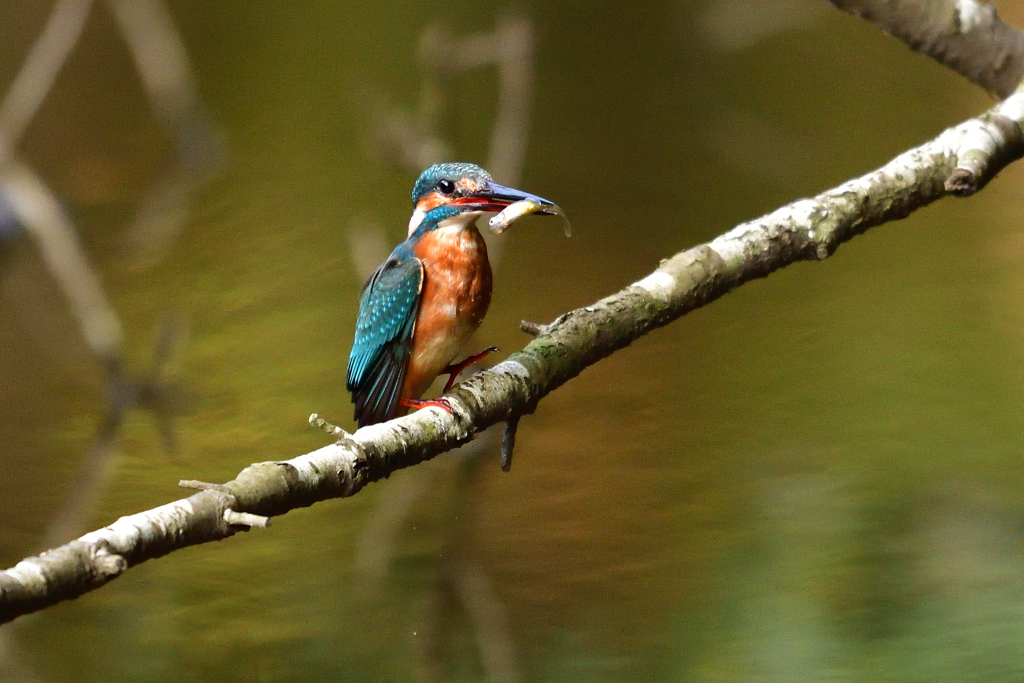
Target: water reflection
{"points": [[815, 477]]}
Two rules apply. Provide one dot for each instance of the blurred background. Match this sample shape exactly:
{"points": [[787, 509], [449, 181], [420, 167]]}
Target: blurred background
{"points": [[817, 477]]}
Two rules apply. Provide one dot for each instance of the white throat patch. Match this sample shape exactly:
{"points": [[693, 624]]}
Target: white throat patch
{"points": [[415, 220], [460, 222]]}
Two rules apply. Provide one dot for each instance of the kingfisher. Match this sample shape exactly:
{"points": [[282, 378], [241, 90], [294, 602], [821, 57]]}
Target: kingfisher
{"points": [[419, 307]]}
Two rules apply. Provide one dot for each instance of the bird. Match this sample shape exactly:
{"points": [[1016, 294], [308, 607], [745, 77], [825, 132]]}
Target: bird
{"points": [[419, 308]]}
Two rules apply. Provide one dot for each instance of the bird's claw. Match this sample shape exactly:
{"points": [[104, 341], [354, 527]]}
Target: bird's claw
{"points": [[416, 404], [454, 369]]}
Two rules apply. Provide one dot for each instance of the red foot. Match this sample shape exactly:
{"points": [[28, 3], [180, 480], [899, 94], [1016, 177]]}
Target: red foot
{"points": [[420, 405], [454, 369]]}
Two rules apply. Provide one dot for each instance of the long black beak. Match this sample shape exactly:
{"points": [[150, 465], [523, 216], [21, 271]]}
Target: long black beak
{"points": [[495, 197]]}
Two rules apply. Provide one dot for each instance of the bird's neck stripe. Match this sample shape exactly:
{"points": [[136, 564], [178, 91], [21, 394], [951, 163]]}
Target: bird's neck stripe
{"points": [[445, 216], [416, 219]]}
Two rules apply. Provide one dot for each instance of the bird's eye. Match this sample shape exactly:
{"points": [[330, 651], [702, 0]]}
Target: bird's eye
{"points": [[445, 186]]}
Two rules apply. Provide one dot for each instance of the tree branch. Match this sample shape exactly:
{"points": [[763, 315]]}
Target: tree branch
{"points": [[965, 35], [959, 161]]}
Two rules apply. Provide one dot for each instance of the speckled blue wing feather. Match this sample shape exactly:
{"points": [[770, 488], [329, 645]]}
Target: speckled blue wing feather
{"points": [[383, 342]]}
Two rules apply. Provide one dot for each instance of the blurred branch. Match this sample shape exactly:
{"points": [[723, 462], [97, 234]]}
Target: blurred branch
{"points": [[43, 216], [490, 622], [960, 161], [37, 74], [160, 57], [163, 65], [375, 547], [510, 48], [152, 392], [965, 35], [415, 142]]}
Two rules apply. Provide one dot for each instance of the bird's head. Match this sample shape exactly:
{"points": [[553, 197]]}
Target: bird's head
{"points": [[459, 192]]}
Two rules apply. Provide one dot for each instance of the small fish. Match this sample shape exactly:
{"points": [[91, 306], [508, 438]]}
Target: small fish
{"points": [[513, 212]]}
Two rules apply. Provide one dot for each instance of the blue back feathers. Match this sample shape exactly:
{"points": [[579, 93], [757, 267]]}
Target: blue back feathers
{"points": [[383, 341]]}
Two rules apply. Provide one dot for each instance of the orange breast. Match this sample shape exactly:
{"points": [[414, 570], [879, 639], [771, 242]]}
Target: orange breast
{"points": [[456, 294]]}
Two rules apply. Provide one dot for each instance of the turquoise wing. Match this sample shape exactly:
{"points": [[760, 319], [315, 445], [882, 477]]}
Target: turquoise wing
{"points": [[383, 342]]}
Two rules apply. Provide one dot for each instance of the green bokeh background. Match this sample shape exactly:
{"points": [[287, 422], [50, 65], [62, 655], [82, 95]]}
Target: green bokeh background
{"points": [[816, 478]]}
